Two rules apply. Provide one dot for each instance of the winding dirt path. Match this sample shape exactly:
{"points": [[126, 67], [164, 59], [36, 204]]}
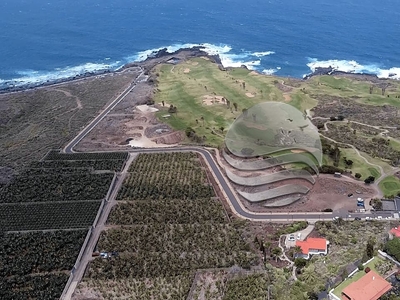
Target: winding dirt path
{"points": [[384, 174]]}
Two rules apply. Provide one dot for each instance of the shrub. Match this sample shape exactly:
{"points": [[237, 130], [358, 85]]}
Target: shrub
{"points": [[367, 269], [360, 267], [327, 210]]}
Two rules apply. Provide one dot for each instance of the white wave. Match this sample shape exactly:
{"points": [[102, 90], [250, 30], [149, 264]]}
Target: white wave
{"points": [[228, 59], [37, 77], [269, 71], [393, 73], [352, 66], [261, 54]]}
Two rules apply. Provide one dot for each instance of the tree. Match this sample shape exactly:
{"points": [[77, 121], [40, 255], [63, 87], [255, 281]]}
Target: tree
{"points": [[349, 162], [370, 248], [163, 103], [300, 262], [202, 119], [312, 296], [276, 252], [235, 106], [222, 128], [297, 250], [357, 175], [340, 118], [392, 247]]}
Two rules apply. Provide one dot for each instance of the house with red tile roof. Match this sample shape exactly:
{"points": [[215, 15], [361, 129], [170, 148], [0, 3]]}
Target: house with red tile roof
{"points": [[312, 246], [369, 287], [395, 232]]}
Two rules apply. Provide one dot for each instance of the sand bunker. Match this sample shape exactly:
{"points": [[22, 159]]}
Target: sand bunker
{"points": [[146, 108], [187, 70], [287, 97], [211, 100], [195, 63], [250, 95], [204, 57], [253, 73], [297, 151]]}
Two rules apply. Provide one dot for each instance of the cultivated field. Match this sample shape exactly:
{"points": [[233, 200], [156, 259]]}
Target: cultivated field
{"points": [[164, 237], [37, 257]]}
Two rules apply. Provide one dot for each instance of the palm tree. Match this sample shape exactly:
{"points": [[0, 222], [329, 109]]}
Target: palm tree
{"points": [[297, 250], [276, 252]]}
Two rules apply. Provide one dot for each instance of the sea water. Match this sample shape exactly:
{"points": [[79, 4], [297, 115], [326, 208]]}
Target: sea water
{"points": [[48, 39]]}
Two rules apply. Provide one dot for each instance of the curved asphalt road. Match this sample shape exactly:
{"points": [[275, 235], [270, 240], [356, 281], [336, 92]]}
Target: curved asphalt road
{"points": [[235, 204]]}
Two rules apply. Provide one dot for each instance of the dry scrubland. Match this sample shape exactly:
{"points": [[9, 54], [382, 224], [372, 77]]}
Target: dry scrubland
{"points": [[34, 121], [45, 214]]}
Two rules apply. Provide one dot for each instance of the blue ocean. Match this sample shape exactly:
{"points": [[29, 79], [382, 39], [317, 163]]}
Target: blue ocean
{"points": [[48, 39]]}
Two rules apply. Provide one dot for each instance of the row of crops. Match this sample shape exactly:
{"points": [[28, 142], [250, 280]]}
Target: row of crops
{"points": [[56, 186], [165, 236], [171, 176], [168, 211], [57, 155], [45, 214], [108, 164], [37, 252]]}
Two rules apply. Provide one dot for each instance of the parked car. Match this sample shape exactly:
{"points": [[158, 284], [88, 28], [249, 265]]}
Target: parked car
{"points": [[357, 218], [350, 195], [299, 235], [291, 238]]}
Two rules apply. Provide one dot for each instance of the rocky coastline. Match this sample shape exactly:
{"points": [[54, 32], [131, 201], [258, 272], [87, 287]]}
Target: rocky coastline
{"points": [[162, 56], [153, 59]]}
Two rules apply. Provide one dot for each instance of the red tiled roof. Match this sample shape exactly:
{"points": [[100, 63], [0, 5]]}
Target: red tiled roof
{"points": [[395, 231], [369, 287], [312, 243]]}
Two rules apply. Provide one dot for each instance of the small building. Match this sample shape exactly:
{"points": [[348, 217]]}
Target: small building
{"points": [[369, 287], [337, 174], [312, 246], [360, 202]]}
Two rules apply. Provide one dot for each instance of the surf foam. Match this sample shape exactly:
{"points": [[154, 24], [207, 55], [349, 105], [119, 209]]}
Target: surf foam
{"points": [[352, 66], [27, 77], [228, 58]]}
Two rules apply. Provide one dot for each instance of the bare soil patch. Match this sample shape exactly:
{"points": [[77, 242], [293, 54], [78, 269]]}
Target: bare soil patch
{"points": [[250, 95], [186, 71], [211, 100]]}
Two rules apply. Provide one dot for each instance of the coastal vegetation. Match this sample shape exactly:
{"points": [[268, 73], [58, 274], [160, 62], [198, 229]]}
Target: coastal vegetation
{"points": [[34, 121]]}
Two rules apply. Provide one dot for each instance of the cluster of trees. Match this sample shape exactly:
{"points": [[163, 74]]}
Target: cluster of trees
{"points": [[51, 215], [332, 151], [55, 186], [192, 135], [36, 252], [392, 247], [338, 118], [166, 176], [168, 211], [369, 179]]}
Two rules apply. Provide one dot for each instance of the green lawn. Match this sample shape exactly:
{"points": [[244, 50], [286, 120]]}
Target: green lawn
{"points": [[338, 290], [390, 185], [359, 164], [187, 84]]}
